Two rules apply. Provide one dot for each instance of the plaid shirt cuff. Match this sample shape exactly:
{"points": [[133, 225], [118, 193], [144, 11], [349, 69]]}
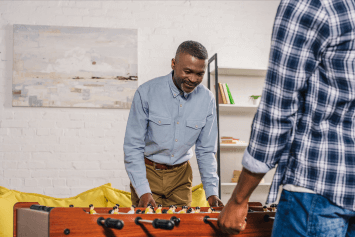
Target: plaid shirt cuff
{"points": [[254, 165]]}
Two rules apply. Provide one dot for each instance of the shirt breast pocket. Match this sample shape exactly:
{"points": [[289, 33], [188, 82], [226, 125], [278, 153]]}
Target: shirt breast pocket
{"points": [[193, 130], [160, 129]]}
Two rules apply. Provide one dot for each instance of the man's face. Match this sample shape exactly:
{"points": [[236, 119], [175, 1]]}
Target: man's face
{"points": [[188, 72]]}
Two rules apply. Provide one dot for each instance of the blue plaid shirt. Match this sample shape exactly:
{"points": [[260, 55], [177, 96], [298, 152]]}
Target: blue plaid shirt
{"points": [[305, 123]]}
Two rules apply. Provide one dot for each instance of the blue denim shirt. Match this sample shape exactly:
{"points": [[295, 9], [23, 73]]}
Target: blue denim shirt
{"points": [[163, 126]]}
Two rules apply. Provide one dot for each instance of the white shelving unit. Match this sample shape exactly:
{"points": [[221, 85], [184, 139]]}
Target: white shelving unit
{"points": [[235, 184], [235, 120], [233, 145]]}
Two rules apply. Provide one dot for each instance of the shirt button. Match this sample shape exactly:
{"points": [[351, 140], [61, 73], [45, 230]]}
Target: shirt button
{"points": [[174, 94], [176, 140], [180, 105], [159, 121], [196, 126], [177, 122], [172, 155]]}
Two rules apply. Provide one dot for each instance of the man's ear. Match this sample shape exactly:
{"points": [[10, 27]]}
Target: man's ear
{"points": [[173, 63]]}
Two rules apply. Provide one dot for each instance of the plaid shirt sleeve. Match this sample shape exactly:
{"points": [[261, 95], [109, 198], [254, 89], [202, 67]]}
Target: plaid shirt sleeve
{"points": [[300, 35]]}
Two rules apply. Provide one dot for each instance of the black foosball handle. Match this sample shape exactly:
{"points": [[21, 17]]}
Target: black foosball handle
{"points": [[163, 224], [175, 220], [111, 223]]}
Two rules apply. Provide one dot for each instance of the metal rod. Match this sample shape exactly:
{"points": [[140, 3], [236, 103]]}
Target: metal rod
{"points": [[146, 221], [214, 58], [212, 219]]}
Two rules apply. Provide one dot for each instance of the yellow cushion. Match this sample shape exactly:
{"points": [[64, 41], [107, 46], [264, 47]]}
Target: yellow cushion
{"points": [[116, 196], [199, 197], [103, 196], [93, 196], [3, 190]]}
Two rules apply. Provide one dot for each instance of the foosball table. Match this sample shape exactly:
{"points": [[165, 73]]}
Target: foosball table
{"points": [[34, 220]]}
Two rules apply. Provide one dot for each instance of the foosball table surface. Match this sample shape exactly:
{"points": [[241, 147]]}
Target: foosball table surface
{"points": [[76, 221]]}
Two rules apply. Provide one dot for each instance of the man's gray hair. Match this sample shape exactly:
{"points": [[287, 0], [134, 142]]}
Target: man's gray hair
{"points": [[193, 48]]}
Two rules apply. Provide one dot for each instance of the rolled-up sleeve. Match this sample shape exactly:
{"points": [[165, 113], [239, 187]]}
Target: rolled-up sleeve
{"points": [[134, 145], [206, 148]]}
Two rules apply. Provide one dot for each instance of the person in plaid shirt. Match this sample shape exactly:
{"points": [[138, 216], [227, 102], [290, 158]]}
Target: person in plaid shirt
{"points": [[305, 124]]}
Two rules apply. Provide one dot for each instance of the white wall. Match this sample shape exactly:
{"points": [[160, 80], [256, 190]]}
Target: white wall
{"points": [[62, 152]]}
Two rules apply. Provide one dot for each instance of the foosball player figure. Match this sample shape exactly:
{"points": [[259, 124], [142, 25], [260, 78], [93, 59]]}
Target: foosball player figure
{"points": [[274, 207], [190, 210], [138, 212], [171, 209], [148, 208], [158, 211], [183, 210], [213, 210], [265, 209], [132, 210], [115, 210], [71, 205], [110, 211], [118, 205], [174, 208], [197, 210], [209, 210], [92, 211]]}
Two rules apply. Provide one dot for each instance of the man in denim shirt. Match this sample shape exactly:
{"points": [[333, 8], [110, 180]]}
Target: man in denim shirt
{"points": [[169, 115]]}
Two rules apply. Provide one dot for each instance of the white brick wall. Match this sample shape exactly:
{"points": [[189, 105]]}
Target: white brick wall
{"points": [[62, 152]]}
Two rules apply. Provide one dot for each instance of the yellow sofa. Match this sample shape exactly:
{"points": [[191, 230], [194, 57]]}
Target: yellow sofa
{"points": [[102, 196]]}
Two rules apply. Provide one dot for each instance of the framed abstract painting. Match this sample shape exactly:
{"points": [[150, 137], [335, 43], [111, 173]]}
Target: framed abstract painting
{"points": [[83, 67]]}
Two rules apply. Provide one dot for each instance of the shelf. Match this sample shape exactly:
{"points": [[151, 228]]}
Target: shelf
{"points": [[234, 184], [240, 72], [233, 145], [228, 107]]}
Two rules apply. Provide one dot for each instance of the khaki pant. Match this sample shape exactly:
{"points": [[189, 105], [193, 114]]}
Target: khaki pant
{"points": [[169, 187]]}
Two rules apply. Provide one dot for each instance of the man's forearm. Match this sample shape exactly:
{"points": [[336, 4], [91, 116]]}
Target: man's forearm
{"points": [[247, 183]]}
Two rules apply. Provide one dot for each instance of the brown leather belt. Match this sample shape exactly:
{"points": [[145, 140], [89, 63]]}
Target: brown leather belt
{"points": [[158, 166]]}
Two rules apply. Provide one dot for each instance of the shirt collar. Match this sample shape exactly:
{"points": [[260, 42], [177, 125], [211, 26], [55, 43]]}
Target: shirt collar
{"points": [[174, 90]]}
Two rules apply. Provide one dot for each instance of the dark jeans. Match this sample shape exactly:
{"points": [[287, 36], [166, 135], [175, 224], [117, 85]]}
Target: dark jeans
{"points": [[306, 214]]}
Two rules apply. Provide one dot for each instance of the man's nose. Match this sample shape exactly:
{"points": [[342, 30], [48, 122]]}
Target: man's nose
{"points": [[194, 78]]}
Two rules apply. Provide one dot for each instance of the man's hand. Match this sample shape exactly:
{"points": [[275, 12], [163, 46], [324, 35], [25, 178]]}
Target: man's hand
{"points": [[145, 199], [214, 201], [231, 220]]}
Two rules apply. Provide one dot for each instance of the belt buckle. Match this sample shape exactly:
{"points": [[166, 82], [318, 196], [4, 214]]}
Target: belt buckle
{"points": [[155, 166]]}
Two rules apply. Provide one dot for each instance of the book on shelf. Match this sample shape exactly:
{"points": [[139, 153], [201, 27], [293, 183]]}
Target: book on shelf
{"points": [[220, 99], [222, 93], [236, 174], [234, 142], [226, 93], [229, 140], [230, 95]]}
